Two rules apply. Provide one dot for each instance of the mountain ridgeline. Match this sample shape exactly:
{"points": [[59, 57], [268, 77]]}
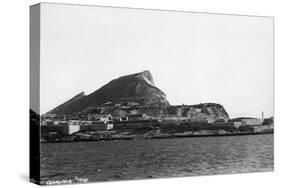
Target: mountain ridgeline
{"points": [[135, 94], [138, 88]]}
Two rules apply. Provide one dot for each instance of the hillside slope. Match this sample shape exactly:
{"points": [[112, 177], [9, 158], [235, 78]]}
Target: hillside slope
{"points": [[138, 88]]}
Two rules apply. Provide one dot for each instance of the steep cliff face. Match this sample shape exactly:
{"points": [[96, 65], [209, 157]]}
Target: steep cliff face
{"points": [[138, 88]]}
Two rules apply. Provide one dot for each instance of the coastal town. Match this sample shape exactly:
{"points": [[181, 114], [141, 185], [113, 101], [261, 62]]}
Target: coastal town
{"points": [[132, 107], [93, 127]]}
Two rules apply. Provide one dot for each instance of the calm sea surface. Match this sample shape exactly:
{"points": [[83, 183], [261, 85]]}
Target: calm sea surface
{"points": [[136, 159]]}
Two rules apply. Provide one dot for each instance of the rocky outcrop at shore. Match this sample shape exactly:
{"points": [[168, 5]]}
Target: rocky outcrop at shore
{"points": [[205, 112]]}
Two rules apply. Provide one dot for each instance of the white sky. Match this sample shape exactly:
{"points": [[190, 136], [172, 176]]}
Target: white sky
{"points": [[193, 57]]}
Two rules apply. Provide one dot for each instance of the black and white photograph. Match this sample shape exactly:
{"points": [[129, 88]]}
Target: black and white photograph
{"points": [[129, 93]]}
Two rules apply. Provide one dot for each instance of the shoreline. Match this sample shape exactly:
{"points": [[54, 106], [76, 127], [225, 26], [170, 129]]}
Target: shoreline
{"points": [[167, 136]]}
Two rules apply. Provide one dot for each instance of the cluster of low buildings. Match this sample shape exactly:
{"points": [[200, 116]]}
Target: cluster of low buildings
{"points": [[51, 123]]}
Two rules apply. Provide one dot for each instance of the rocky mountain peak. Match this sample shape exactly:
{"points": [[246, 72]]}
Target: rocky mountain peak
{"points": [[138, 88], [146, 75]]}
